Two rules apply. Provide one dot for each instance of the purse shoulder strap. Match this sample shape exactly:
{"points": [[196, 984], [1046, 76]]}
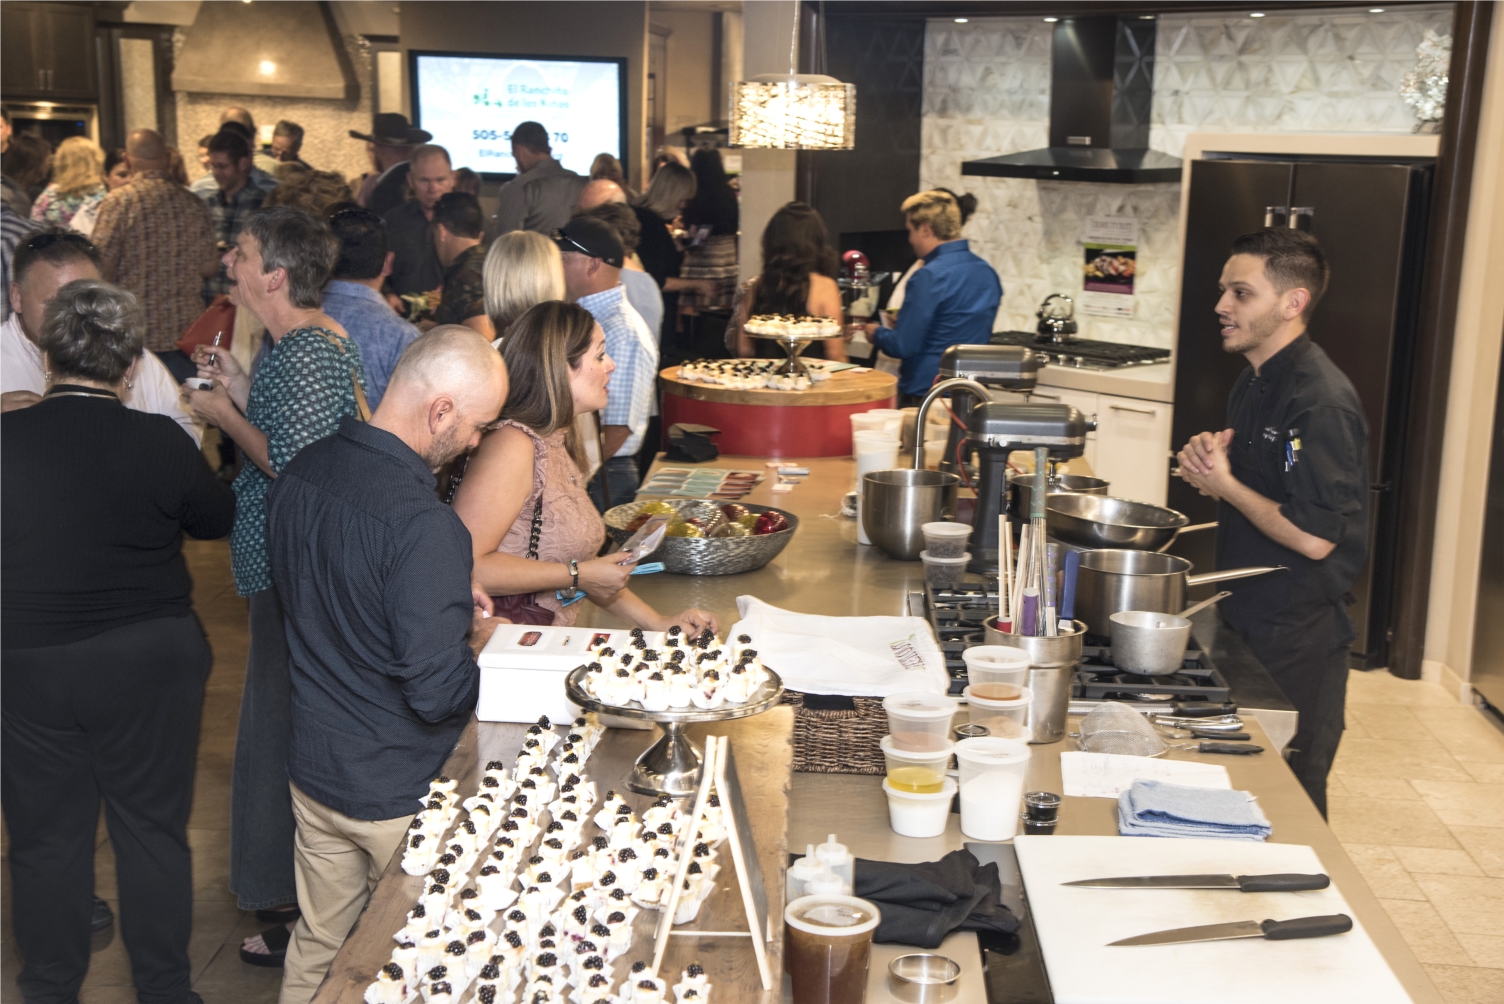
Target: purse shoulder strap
{"points": [[362, 406]]}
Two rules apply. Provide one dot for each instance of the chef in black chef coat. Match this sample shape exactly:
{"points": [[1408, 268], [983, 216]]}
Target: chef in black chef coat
{"points": [[1291, 476]]}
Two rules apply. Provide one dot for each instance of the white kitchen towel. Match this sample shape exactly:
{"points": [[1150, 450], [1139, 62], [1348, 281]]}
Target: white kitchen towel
{"points": [[857, 656]]}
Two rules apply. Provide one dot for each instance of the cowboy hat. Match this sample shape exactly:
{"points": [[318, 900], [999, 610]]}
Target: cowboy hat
{"points": [[392, 129]]}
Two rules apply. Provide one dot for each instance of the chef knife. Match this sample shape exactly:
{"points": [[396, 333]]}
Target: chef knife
{"points": [[1242, 883], [1270, 930]]}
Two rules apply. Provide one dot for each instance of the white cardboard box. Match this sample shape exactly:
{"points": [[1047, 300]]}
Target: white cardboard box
{"points": [[522, 669]]}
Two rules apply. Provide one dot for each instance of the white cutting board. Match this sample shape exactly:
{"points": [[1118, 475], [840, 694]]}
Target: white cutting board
{"points": [[1075, 926]]}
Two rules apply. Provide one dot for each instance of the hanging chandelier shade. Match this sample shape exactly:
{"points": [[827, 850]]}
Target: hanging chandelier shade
{"points": [[793, 112]]}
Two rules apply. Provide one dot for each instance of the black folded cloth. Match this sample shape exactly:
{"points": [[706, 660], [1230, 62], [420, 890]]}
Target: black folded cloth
{"points": [[923, 903], [690, 444]]}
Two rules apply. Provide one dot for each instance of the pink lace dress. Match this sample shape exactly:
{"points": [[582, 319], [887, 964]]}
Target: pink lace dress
{"points": [[572, 528]]}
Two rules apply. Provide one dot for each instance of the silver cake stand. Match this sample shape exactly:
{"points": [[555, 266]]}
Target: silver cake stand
{"points": [[793, 345], [672, 765]]}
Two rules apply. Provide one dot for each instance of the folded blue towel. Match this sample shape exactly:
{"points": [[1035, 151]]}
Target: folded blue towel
{"points": [[1157, 809]]}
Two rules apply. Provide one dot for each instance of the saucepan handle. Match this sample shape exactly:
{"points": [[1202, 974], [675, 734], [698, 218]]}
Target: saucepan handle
{"points": [[1230, 573], [1199, 526]]}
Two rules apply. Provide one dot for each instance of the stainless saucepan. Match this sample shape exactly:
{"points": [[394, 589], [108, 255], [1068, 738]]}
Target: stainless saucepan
{"points": [[1153, 644], [1105, 521], [1111, 580]]}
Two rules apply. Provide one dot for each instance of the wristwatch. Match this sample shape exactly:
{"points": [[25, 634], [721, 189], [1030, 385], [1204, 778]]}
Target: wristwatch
{"points": [[574, 578]]}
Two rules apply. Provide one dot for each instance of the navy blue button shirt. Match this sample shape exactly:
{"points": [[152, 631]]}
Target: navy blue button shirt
{"points": [[951, 301], [374, 576]]}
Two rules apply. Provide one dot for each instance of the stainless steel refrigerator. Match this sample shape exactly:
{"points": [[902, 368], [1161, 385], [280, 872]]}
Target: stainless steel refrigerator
{"points": [[1370, 216]]}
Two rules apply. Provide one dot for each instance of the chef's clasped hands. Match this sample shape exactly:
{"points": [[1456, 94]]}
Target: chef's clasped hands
{"points": [[1204, 464]]}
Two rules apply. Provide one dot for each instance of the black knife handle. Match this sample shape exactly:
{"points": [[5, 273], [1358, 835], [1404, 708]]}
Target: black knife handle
{"points": [[1307, 927], [1282, 883], [1243, 748], [1208, 734], [1204, 709]]}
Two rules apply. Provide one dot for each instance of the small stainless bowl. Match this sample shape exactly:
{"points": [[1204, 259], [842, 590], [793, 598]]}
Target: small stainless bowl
{"points": [[923, 978]]}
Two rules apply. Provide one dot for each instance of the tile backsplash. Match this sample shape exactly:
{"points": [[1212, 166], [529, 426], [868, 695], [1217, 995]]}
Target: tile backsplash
{"points": [[987, 92]]}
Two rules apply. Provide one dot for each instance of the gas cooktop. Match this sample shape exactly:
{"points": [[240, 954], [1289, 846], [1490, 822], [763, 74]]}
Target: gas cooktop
{"points": [[957, 615], [1085, 353]]}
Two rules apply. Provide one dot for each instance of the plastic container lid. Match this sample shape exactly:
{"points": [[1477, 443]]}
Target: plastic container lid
{"points": [[827, 883], [996, 657], [832, 853], [929, 559], [1012, 704], [807, 867], [930, 756], [835, 921], [918, 704], [947, 791], [943, 528], [991, 752]]}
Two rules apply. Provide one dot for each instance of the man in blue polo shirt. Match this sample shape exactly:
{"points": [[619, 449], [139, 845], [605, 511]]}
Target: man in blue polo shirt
{"points": [[952, 300], [353, 296]]}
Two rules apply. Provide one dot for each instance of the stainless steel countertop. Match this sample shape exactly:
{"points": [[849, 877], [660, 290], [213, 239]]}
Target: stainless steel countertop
{"points": [[824, 571]]}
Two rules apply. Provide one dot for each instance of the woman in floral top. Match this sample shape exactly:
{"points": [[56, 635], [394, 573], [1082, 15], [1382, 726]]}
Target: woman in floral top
{"points": [[310, 380], [77, 183]]}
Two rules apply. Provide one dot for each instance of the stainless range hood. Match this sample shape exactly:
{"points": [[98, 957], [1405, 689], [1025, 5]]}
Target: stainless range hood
{"points": [[1101, 96]]}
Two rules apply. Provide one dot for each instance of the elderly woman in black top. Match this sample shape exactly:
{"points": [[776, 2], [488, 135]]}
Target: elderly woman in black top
{"points": [[104, 661]]}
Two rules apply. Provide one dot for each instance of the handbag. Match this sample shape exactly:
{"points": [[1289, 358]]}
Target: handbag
{"points": [[524, 608], [218, 319], [362, 406]]}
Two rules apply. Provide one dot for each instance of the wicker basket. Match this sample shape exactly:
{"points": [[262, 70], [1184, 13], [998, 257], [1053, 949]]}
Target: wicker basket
{"points": [[839, 742], [706, 555]]}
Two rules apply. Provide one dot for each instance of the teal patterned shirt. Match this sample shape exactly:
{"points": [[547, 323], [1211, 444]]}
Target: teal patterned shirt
{"points": [[299, 393]]}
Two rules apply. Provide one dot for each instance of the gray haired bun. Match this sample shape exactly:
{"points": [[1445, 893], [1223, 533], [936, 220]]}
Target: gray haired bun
{"points": [[92, 330]]}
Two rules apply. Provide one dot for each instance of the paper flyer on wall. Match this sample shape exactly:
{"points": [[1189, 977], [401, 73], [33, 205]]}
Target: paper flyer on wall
{"points": [[1110, 250]]}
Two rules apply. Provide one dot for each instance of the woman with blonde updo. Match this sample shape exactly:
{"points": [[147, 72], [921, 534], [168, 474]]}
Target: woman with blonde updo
{"points": [[77, 183]]}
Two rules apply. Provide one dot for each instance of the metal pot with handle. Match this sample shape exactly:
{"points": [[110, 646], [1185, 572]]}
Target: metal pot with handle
{"points": [[1153, 644], [1111, 580], [1105, 521]]}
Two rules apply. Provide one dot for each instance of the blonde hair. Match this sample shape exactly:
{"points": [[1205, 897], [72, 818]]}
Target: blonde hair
{"points": [[77, 166], [522, 269], [307, 189], [938, 209]]}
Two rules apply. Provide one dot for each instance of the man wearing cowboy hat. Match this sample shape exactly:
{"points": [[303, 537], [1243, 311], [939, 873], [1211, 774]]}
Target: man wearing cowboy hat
{"points": [[391, 140]]}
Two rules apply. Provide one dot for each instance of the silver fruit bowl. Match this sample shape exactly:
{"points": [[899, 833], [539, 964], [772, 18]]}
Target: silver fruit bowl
{"points": [[706, 555]]}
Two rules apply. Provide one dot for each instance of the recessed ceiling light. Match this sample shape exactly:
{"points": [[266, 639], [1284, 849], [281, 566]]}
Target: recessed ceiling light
{"points": [[1255, 14], [268, 68], [962, 20], [1051, 20], [1146, 17], [1375, 10]]}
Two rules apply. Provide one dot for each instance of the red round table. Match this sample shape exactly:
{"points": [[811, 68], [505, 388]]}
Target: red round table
{"points": [[778, 423]]}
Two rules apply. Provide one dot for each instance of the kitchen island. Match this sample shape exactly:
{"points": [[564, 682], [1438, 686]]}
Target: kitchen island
{"points": [[825, 571]]}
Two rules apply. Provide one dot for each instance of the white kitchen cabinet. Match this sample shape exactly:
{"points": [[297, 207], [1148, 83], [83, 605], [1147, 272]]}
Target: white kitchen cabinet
{"points": [[1085, 402], [1133, 446]]}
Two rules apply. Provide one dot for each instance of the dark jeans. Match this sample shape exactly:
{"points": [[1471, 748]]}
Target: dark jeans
{"points": [[615, 483], [179, 363], [261, 823], [1306, 654], [113, 717]]}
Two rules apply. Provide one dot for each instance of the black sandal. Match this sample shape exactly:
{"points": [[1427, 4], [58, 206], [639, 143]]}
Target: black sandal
{"points": [[276, 939], [283, 916]]}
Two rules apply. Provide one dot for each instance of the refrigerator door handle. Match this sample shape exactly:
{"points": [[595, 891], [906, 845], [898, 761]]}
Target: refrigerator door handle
{"points": [[1276, 216]]}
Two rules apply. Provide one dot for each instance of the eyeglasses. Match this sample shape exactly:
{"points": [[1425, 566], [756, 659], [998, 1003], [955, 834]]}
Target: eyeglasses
{"points": [[43, 241]]}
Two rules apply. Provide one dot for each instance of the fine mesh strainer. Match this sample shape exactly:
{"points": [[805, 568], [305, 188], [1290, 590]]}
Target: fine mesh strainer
{"points": [[1116, 728]]}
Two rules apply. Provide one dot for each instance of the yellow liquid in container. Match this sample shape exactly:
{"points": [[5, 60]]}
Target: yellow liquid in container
{"points": [[919, 780]]}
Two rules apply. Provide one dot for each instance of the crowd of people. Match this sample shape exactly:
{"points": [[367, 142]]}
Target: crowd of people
{"points": [[382, 366]]}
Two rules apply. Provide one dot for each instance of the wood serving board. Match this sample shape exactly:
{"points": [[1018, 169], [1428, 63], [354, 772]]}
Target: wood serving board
{"points": [[763, 752]]}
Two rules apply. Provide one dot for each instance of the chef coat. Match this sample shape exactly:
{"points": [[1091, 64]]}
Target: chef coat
{"points": [[1299, 439]]}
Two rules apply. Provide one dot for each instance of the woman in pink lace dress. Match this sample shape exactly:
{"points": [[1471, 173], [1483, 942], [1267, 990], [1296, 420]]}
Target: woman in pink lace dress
{"points": [[537, 537]]}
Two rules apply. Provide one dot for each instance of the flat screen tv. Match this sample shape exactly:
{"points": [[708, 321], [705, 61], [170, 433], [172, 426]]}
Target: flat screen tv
{"points": [[470, 102]]}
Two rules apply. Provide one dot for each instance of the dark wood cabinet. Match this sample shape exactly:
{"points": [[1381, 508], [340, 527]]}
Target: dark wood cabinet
{"points": [[48, 51]]}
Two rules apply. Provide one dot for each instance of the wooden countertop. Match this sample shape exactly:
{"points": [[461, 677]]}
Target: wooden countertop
{"points": [[845, 387]]}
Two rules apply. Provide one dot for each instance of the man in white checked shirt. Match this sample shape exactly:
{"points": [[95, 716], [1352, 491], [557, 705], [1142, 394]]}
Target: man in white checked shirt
{"points": [[593, 258]]}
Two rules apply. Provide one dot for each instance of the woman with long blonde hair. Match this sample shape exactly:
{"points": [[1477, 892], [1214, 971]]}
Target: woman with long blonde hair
{"points": [[77, 183], [522, 270]]}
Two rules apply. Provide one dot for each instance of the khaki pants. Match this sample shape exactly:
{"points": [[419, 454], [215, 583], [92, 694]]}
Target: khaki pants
{"points": [[337, 861]]}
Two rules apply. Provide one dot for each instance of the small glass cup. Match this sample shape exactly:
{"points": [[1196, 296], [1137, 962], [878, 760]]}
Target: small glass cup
{"points": [[1042, 806]]}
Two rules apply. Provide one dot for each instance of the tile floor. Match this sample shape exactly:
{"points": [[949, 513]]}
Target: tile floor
{"points": [[1417, 798]]}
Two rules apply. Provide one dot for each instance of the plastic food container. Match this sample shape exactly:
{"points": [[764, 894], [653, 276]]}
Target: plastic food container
{"points": [[944, 573], [992, 785], [945, 540], [916, 772], [934, 452], [919, 722], [996, 671], [919, 815], [1007, 718]]}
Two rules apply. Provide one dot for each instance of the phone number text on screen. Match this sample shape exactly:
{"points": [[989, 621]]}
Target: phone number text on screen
{"points": [[471, 104]]}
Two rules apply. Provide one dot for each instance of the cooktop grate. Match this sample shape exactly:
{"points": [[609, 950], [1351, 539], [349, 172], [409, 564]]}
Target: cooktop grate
{"points": [[1085, 353]]}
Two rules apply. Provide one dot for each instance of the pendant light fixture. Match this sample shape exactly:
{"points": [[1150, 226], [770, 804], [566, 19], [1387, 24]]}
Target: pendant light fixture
{"points": [[795, 111]]}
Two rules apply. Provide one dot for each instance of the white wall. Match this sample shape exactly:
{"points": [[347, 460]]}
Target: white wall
{"points": [[691, 33], [987, 92]]}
